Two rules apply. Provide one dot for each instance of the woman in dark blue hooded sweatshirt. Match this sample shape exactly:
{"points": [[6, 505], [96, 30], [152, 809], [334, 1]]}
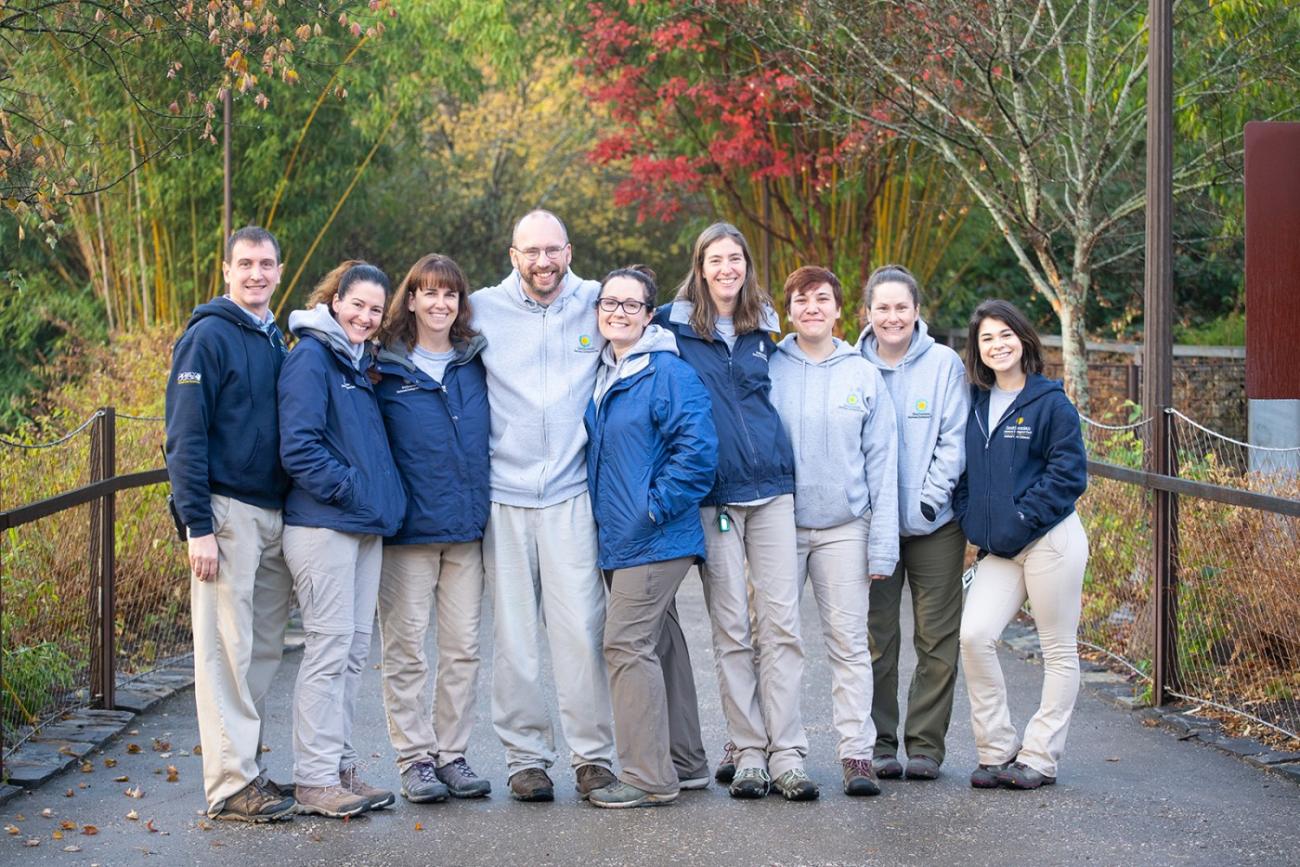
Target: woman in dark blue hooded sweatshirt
{"points": [[1025, 468], [346, 496]]}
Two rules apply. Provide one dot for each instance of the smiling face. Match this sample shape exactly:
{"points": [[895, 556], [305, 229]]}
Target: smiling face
{"points": [[620, 328], [540, 252], [813, 313], [360, 311], [723, 267], [893, 316], [1001, 350], [252, 274], [435, 309]]}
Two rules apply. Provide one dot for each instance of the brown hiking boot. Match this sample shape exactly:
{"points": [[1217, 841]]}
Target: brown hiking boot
{"points": [[531, 784], [378, 798], [333, 801], [254, 803], [593, 777]]}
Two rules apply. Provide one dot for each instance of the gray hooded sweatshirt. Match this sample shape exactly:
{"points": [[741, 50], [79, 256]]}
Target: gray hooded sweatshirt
{"points": [[320, 321], [840, 420], [653, 339], [931, 399], [541, 366]]}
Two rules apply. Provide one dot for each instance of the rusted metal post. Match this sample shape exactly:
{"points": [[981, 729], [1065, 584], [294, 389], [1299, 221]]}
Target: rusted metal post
{"points": [[103, 584], [1157, 392]]}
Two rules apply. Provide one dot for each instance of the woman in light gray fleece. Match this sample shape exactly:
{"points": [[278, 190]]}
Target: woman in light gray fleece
{"points": [[926, 381], [840, 421]]}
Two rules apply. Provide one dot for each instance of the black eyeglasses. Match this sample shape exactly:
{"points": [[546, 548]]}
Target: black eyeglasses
{"points": [[631, 307]]}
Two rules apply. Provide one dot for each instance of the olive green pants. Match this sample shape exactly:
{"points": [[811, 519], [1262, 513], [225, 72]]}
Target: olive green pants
{"points": [[931, 566]]}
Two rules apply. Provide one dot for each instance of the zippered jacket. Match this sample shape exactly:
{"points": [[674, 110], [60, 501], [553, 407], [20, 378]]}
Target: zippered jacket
{"points": [[755, 460], [651, 455], [541, 363], [840, 420], [332, 438], [1024, 474], [931, 401], [438, 434], [223, 426]]}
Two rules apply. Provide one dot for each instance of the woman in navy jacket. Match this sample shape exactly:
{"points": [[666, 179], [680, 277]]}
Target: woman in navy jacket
{"points": [[651, 455], [723, 322], [1025, 468], [433, 395], [345, 497]]}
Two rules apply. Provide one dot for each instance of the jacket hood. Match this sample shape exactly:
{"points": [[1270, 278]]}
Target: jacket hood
{"points": [[790, 346], [869, 345], [681, 311], [321, 323], [393, 353], [514, 290], [224, 308], [1036, 386]]}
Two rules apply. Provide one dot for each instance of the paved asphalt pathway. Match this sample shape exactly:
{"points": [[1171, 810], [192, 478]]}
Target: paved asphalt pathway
{"points": [[1127, 795]]}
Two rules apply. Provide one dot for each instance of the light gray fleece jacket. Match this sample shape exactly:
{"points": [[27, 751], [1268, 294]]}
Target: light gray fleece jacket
{"points": [[319, 320], [840, 420], [541, 367], [931, 399]]}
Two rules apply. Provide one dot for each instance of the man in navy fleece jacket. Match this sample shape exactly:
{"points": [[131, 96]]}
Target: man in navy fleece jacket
{"points": [[223, 446]]}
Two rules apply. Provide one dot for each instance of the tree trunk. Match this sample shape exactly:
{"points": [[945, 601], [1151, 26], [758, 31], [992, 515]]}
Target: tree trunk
{"points": [[1074, 351]]}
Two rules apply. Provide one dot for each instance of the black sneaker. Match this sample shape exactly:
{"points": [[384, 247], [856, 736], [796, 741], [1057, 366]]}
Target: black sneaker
{"points": [[461, 780], [1018, 775], [887, 767], [986, 776], [859, 778], [726, 771], [254, 803], [531, 784]]}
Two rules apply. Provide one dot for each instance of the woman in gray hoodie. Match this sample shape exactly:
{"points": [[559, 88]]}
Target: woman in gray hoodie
{"points": [[840, 421], [927, 383]]}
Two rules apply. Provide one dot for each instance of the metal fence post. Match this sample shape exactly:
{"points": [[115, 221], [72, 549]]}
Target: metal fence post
{"points": [[103, 584]]}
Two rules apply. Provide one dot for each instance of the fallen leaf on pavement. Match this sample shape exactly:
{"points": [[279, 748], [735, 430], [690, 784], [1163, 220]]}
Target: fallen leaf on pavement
{"points": [[47, 813], [122, 779], [69, 794], [160, 745], [419, 826], [32, 841], [71, 848], [133, 748], [87, 767], [173, 775], [68, 825], [56, 835], [89, 830], [13, 830], [150, 826], [134, 792], [133, 816], [110, 762]]}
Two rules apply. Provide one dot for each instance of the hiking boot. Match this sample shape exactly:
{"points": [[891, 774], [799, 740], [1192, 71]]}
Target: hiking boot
{"points": [[726, 771], [592, 777], [859, 778], [531, 784], [272, 787], [420, 784], [254, 803], [986, 776], [378, 798], [751, 783], [620, 795], [333, 801], [461, 780], [794, 785], [1018, 775], [922, 768], [887, 767]]}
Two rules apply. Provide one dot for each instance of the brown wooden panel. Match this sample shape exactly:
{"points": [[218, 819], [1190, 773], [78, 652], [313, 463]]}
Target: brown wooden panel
{"points": [[1272, 260]]}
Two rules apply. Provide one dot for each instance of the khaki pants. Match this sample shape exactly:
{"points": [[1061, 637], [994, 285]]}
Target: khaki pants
{"points": [[238, 621], [760, 701], [450, 577], [541, 572], [1049, 573], [685, 743], [835, 560], [336, 576], [931, 565], [636, 629]]}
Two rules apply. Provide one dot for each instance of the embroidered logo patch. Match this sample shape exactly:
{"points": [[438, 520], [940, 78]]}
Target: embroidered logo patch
{"points": [[585, 343], [1018, 431], [854, 402], [409, 387], [761, 353], [920, 409], [189, 377]]}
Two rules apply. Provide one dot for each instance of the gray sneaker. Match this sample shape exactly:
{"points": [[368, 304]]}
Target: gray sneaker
{"points": [[333, 801], [794, 785], [461, 780], [420, 784], [378, 798], [620, 795]]}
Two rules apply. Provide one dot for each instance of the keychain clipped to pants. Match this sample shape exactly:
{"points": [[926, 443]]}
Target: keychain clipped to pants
{"points": [[724, 521]]}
